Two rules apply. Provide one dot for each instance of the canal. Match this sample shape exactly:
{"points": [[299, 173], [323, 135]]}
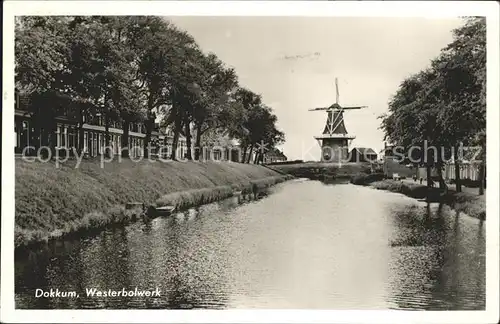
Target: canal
{"points": [[307, 245]]}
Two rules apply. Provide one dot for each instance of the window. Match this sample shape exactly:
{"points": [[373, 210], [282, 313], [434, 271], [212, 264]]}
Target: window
{"points": [[85, 142], [116, 144], [58, 136], [91, 144], [100, 143], [217, 155], [64, 136], [94, 144], [71, 140], [18, 135]]}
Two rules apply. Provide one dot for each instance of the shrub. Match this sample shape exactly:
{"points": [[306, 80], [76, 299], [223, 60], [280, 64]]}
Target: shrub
{"points": [[467, 203], [365, 179]]}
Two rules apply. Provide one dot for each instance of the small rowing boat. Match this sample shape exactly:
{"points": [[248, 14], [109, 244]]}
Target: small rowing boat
{"points": [[161, 211]]}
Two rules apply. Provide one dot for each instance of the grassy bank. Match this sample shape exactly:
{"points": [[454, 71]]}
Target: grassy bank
{"points": [[315, 170], [470, 204], [53, 202]]}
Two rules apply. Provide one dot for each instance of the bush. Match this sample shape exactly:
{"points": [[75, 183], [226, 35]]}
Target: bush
{"points": [[468, 183], [52, 202]]}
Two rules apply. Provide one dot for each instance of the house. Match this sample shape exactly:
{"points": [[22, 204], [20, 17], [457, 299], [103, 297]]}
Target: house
{"points": [[66, 134], [273, 156], [362, 154], [468, 170]]}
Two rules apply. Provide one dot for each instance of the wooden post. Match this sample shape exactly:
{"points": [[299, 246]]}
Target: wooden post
{"points": [[482, 171]]}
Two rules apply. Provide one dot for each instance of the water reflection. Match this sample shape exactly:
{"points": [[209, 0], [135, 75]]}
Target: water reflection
{"points": [[305, 245], [438, 261]]}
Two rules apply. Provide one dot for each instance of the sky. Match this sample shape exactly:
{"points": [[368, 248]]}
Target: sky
{"points": [[293, 62]]}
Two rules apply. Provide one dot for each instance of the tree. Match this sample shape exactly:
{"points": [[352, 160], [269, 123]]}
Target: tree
{"points": [[130, 69], [41, 45], [443, 104], [466, 77], [213, 104], [239, 118], [164, 59]]}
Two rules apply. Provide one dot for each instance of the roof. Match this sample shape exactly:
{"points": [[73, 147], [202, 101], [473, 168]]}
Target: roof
{"points": [[336, 119], [275, 153], [364, 150]]}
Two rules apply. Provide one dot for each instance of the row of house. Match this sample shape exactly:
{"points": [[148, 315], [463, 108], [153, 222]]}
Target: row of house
{"points": [[468, 169], [362, 154], [28, 139]]}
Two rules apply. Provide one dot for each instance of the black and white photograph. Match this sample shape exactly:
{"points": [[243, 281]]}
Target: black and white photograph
{"points": [[321, 161]]}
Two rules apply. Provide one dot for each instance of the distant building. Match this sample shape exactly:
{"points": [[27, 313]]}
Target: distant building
{"points": [[274, 156], [362, 154], [468, 170], [67, 136]]}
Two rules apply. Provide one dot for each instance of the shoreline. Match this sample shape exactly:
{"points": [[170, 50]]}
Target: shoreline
{"points": [[194, 184], [467, 203]]}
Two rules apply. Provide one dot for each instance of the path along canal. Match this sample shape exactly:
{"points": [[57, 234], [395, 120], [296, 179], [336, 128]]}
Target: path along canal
{"points": [[307, 245]]}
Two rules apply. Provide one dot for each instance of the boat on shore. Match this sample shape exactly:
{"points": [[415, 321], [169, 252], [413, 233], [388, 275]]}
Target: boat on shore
{"points": [[160, 211]]}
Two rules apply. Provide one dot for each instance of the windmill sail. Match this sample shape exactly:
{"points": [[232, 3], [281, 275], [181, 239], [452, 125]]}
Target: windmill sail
{"points": [[354, 107], [321, 108], [337, 91]]}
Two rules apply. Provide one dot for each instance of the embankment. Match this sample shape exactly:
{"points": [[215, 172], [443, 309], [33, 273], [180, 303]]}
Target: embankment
{"points": [[470, 204], [59, 201], [319, 170]]}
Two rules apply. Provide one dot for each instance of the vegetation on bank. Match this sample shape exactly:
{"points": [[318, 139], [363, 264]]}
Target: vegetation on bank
{"points": [[53, 202], [314, 170], [285, 162], [470, 204]]}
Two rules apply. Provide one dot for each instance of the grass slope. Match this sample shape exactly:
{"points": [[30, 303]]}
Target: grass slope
{"points": [[52, 201], [311, 169]]}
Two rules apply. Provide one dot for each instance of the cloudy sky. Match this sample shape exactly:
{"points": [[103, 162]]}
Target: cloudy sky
{"points": [[293, 61]]}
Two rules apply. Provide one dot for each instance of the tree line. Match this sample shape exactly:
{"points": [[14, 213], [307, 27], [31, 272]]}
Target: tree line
{"points": [[131, 69], [444, 106]]}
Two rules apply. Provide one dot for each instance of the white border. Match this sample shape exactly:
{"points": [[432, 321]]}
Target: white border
{"points": [[436, 9]]}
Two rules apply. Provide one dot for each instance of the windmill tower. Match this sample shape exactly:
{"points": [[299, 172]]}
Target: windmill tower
{"points": [[335, 140]]}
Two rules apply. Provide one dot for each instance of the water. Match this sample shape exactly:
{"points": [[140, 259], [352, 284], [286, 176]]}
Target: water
{"points": [[307, 245]]}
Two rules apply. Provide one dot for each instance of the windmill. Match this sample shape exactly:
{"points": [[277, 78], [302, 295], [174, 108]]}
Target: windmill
{"points": [[335, 140]]}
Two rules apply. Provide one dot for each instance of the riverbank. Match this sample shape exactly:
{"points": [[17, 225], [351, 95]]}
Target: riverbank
{"points": [[321, 170], [468, 203], [53, 202]]}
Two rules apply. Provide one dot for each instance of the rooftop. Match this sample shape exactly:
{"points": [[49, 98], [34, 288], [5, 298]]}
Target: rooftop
{"points": [[364, 150]]}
